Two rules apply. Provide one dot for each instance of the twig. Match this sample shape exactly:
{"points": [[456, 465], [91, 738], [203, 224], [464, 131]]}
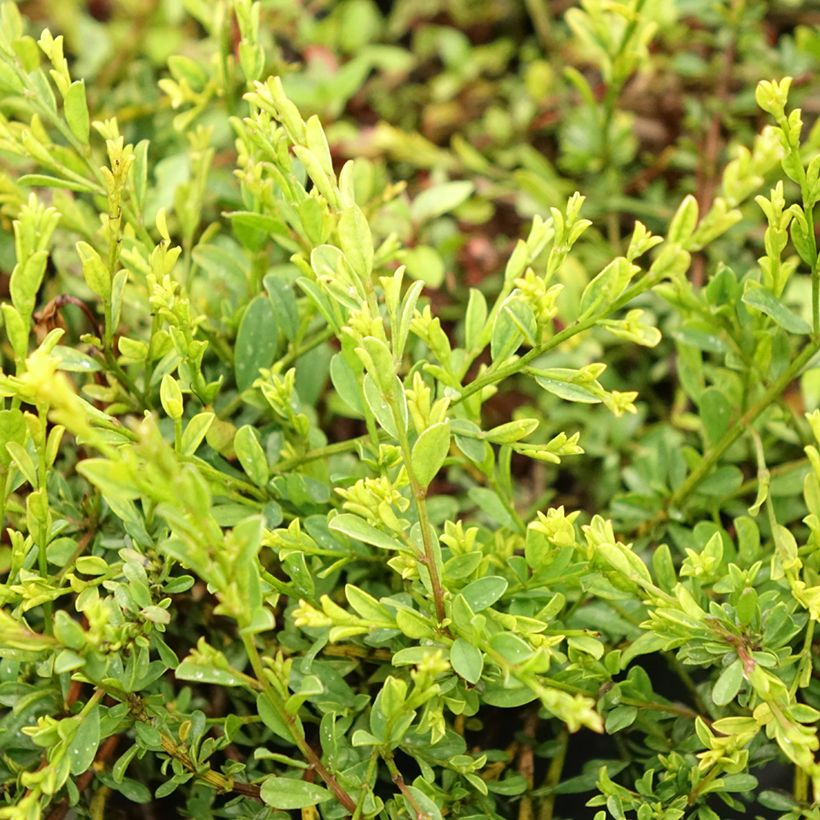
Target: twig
{"points": [[715, 452], [398, 779], [295, 730], [205, 774], [526, 763], [553, 778]]}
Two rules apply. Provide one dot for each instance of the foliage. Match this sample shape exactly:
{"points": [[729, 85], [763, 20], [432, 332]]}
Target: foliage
{"points": [[297, 511]]}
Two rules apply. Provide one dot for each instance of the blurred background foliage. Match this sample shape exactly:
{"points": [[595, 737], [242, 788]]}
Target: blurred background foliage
{"points": [[515, 96], [525, 102]]}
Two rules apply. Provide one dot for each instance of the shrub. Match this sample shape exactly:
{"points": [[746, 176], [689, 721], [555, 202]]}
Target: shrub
{"points": [[293, 521]]}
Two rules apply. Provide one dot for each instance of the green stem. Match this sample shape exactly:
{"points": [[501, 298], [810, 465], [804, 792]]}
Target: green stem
{"points": [[713, 455], [203, 773], [803, 675], [114, 367], [539, 13], [318, 453], [781, 469], [291, 356], [293, 727], [553, 778], [432, 559], [669, 708], [495, 375], [398, 779], [808, 212], [95, 698], [369, 778], [235, 484], [313, 342]]}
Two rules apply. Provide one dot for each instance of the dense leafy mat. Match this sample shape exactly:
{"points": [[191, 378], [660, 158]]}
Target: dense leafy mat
{"points": [[354, 463]]}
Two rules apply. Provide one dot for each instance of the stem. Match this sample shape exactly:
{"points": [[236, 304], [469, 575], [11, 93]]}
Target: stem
{"points": [[801, 785], [236, 485], [320, 338], [368, 780], [697, 791], [42, 537], [815, 287], [539, 13], [125, 380], [494, 375], [670, 708], [802, 676], [321, 453], [431, 559], [291, 356], [398, 779], [781, 469], [553, 778], [295, 730], [712, 456]]}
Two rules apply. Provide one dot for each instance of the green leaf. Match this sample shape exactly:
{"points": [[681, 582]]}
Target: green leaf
{"points": [[170, 395], [133, 790], [202, 673], [83, 747], [25, 281], [195, 432], [430, 451], [75, 361], [251, 455], [289, 793], [356, 241], [607, 286], [366, 606], [425, 264], [466, 660], [508, 697], [740, 782], [765, 301], [684, 221], [514, 325], [23, 461], [271, 718], [114, 479], [439, 199], [346, 383], [584, 393], [95, 273], [716, 412], [512, 648], [257, 341], [512, 431], [778, 801], [418, 804], [378, 405], [721, 482], [728, 684], [619, 718], [358, 529], [475, 320], [484, 592], [76, 111], [491, 505], [48, 181]]}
